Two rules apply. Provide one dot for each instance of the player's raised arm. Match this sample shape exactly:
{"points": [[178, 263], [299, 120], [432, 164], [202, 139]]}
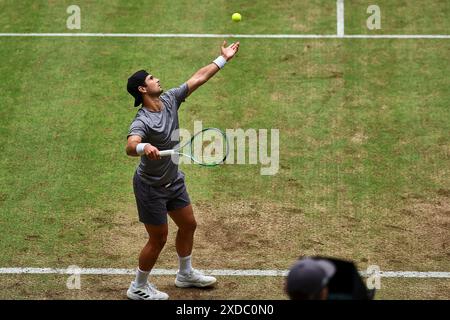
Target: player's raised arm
{"points": [[205, 73]]}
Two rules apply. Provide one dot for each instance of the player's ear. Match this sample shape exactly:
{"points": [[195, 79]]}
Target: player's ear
{"points": [[142, 89]]}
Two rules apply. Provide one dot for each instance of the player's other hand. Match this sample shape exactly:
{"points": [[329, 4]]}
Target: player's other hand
{"points": [[230, 51], [152, 152]]}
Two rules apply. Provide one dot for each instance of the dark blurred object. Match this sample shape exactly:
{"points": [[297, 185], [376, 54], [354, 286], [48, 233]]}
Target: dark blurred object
{"points": [[308, 279], [324, 278], [347, 284]]}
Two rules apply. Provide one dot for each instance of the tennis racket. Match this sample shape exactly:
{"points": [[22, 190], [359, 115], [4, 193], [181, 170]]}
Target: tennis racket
{"points": [[208, 148]]}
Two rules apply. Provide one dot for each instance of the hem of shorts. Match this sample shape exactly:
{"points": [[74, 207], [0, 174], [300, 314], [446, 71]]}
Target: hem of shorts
{"points": [[180, 207], [153, 224]]}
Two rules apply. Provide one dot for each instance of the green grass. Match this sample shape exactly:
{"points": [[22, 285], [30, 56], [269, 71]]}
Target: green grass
{"points": [[172, 16], [399, 17], [363, 125]]}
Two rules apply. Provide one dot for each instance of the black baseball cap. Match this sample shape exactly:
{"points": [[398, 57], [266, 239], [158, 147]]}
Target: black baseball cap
{"points": [[136, 80], [309, 276]]}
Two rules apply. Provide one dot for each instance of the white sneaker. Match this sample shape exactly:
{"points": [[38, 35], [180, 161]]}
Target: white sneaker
{"points": [[149, 292], [194, 279]]}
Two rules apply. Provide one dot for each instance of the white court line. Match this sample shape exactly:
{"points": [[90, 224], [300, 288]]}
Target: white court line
{"points": [[340, 18], [218, 272], [207, 35], [398, 36]]}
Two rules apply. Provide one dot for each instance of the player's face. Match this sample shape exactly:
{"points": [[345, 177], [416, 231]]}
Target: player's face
{"points": [[152, 85]]}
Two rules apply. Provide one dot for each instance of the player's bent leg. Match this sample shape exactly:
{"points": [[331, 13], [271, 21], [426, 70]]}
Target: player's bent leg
{"points": [[187, 277], [156, 241], [140, 288], [185, 221]]}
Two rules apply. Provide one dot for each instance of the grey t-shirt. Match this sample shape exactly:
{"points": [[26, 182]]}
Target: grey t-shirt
{"points": [[156, 128]]}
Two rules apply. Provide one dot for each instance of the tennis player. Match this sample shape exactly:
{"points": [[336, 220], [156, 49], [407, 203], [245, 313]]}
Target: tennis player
{"points": [[159, 186]]}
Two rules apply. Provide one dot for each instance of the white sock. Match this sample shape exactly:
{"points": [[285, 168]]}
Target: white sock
{"points": [[141, 278], [185, 264]]}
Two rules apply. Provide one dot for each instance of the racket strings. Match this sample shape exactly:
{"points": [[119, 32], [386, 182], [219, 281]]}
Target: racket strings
{"points": [[209, 147]]}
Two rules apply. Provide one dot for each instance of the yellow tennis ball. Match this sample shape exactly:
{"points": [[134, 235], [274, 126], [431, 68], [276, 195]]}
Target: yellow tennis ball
{"points": [[236, 17]]}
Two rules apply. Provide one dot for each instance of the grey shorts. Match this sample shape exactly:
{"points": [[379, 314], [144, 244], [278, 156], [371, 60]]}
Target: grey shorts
{"points": [[153, 202]]}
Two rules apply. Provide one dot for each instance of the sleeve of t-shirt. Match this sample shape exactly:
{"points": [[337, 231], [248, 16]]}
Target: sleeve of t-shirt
{"points": [[138, 128], [179, 94]]}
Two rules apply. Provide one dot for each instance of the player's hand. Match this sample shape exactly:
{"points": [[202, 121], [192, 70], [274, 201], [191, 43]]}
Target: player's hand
{"points": [[152, 152], [230, 51]]}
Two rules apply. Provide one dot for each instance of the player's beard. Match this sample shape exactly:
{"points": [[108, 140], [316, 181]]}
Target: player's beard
{"points": [[159, 93], [161, 89]]}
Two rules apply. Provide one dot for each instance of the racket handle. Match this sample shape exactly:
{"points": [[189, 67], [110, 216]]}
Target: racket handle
{"points": [[166, 153]]}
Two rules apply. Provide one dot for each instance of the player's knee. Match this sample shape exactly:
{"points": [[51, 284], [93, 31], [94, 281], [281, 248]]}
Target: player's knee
{"points": [[190, 227], [158, 242], [162, 242], [159, 245]]}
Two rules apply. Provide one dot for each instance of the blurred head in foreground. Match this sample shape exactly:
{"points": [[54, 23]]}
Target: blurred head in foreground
{"points": [[308, 279]]}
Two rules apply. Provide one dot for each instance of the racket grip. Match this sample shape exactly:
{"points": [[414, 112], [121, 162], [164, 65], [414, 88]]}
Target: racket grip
{"points": [[166, 153]]}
